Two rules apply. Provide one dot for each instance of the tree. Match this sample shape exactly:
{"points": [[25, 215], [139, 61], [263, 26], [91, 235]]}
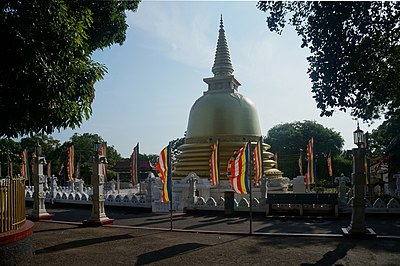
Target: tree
{"points": [[83, 147], [9, 151], [47, 76], [47, 143], [153, 158], [290, 140], [355, 52], [385, 135]]}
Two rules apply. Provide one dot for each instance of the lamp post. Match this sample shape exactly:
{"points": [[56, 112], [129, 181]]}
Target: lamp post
{"points": [[39, 209], [98, 216], [358, 225]]}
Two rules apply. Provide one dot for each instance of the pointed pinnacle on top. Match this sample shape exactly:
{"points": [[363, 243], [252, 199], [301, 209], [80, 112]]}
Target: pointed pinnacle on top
{"points": [[222, 62]]}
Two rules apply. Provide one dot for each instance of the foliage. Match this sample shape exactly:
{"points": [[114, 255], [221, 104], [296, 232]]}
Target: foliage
{"points": [[153, 158], [47, 76], [342, 165], [57, 154], [175, 145], [9, 151], [355, 52], [83, 147], [289, 140], [386, 134]]}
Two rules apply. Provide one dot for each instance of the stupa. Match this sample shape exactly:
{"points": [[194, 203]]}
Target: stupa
{"points": [[221, 113]]}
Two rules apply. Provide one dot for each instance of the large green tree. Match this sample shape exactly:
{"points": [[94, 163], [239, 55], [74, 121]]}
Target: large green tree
{"points": [[355, 52], [47, 75], [290, 140]]}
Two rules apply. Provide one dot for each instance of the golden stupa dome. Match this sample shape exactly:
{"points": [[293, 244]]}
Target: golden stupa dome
{"points": [[221, 113]]}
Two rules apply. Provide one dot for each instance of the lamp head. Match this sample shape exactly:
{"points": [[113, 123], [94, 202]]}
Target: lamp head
{"points": [[358, 136]]}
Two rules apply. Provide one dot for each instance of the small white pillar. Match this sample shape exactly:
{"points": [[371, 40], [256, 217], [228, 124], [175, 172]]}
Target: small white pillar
{"points": [[53, 187], [98, 216], [39, 209]]}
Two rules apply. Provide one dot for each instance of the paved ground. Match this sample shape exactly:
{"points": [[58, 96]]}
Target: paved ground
{"points": [[278, 240]]}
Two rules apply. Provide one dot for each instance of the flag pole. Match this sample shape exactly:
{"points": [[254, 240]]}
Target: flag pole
{"points": [[170, 179], [250, 180]]}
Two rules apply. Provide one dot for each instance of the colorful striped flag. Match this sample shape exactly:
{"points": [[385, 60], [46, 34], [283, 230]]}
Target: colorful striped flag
{"points": [[238, 170], [24, 166], [163, 169], [300, 163], [32, 164], [70, 165], [134, 165], [310, 166], [258, 162], [214, 164], [49, 169], [77, 170], [329, 161]]}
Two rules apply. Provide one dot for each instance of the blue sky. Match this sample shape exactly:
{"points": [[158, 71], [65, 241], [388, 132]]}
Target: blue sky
{"points": [[156, 76]]}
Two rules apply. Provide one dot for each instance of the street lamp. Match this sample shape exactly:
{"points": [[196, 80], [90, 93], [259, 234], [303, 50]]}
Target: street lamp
{"points": [[358, 136], [358, 225]]}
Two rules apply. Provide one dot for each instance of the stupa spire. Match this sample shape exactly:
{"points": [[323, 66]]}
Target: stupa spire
{"points": [[222, 62]]}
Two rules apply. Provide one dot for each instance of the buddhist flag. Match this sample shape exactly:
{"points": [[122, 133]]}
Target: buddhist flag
{"points": [[310, 166], [163, 169], [49, 169], [329, 161], [70, 165], [258, 162], [300, 163], [134, 165], [77, 170], [214, 164], [238, 170], [24, 166], [32, 164]]}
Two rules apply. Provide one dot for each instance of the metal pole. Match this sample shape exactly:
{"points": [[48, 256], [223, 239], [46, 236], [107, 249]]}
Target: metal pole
{"points": [[250, 180], [170, 210], [170, 178]]}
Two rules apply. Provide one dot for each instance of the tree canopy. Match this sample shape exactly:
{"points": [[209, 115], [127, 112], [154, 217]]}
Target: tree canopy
{"points": [[386, 135], [47, 75], [289, 140], [355, 52], [292, 137], [56, 153]]}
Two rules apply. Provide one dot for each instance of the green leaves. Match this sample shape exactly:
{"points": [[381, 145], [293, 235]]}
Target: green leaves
{"points": [[47, 76], [290, 140], [355, 58]]}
